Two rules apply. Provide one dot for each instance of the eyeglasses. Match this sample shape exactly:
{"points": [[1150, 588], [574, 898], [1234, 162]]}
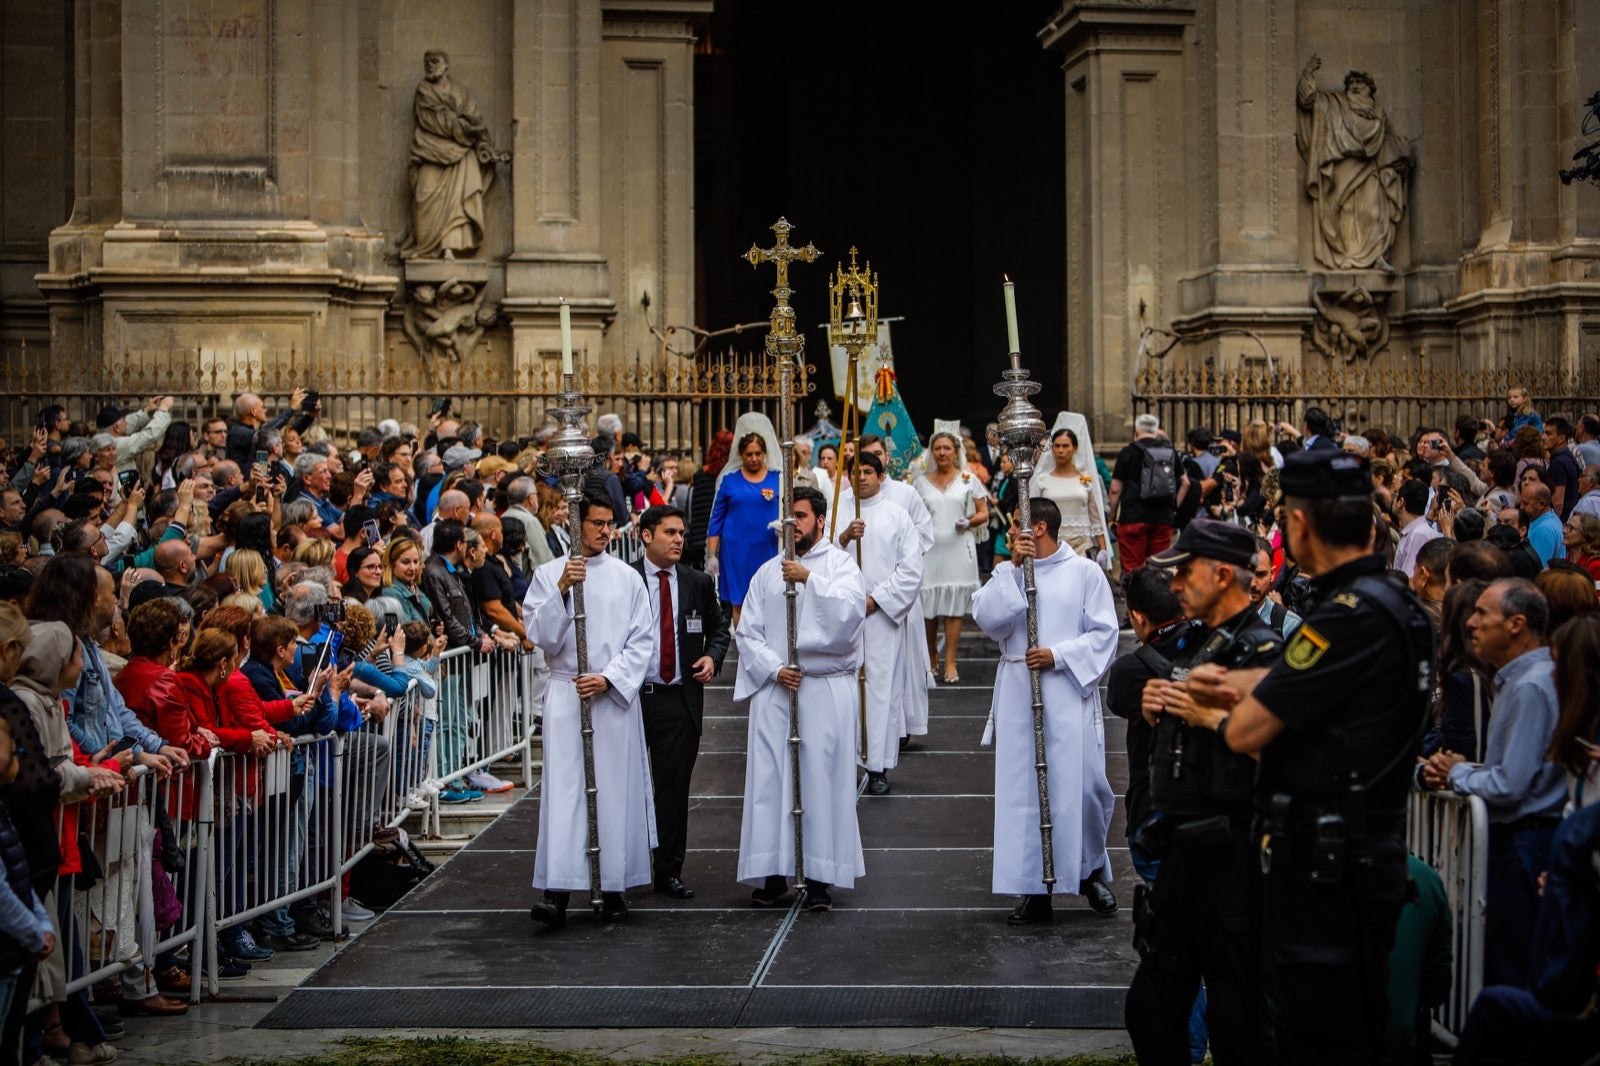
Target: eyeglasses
{"points": [[600, 523]]}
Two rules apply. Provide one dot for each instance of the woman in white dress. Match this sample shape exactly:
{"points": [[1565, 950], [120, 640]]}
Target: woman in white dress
{"points": [[959, 506], [1076, 491]]}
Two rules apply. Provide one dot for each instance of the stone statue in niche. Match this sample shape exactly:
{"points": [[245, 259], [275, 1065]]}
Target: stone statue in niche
{"points": [[1350, 325], [451, 166], [446, 321], [1356, 171]]}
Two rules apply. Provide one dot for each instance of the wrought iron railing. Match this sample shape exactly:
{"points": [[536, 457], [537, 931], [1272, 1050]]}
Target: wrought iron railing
{"points": [[1397, 399], [673, 402]]}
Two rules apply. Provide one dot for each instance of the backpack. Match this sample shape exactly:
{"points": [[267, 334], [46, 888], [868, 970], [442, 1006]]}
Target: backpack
{"points": [[390, 870], [1158, 473]]}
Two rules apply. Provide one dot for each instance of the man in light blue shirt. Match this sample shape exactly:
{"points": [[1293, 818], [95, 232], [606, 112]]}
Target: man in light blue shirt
{"points": [[1523, 790], [1544, 525]]}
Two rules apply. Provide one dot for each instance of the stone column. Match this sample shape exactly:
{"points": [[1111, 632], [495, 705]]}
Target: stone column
{"points": [[556, 188], [647, 146], [217, 148], [1129, 140]]}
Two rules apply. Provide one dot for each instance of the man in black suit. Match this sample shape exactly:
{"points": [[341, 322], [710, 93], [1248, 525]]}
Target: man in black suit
{"points": [[692, 648]]}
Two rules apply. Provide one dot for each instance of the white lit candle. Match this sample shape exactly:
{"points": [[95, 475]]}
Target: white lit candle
{"points": [[566, 337], [1011, 317]]}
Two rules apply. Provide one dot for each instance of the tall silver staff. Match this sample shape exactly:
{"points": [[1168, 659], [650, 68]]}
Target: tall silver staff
{"points": [[570, 457], [1022, 430], [785, 345]]}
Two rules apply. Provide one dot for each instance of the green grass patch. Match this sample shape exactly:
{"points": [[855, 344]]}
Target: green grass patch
{"points": [[463, 1051]]}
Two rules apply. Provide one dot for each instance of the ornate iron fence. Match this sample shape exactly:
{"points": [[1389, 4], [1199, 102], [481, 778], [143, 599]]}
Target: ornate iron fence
{"points": [[673, 403], [1395, 399]]}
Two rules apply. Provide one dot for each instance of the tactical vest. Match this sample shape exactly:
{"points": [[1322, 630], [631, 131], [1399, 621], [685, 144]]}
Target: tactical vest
{"points": [[1192, 771], [1336, 778]]}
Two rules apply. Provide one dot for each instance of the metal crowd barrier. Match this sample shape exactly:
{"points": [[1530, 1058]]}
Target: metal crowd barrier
{"points": [[277, 835], [626, 544], [146, 855], [246, 836], [1450, 832], [486, 710]]}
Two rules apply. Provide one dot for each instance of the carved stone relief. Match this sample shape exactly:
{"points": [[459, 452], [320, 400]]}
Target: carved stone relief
{"points": [[451, 166], [445, 321], [1350, 325], [1356, 171]]}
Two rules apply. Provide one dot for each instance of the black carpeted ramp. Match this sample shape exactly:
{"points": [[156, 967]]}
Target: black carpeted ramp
{"points": [[920, 941]]}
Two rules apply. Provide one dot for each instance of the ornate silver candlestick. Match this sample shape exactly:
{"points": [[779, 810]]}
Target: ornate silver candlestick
{"points": [[1022, 430], [570, 457]]}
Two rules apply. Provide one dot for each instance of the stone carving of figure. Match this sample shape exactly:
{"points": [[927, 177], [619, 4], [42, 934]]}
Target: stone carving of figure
{"points": [[447, 321], [451, 167], [1356, 171]]}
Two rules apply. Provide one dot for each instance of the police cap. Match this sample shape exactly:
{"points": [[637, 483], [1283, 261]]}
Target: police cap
{"points": [[1206, 538], [1325, 475]]}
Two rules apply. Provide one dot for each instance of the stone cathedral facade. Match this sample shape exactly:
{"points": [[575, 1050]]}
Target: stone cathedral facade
{"points": [[355, 181], [1370, 184]]}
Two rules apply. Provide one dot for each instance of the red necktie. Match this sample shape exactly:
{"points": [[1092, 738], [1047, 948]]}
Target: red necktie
{"points": [[669, 646]]}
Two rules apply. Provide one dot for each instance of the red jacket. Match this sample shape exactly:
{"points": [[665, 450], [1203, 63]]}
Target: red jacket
{"points": [[199, 705], [151, 691], [243, 707]]}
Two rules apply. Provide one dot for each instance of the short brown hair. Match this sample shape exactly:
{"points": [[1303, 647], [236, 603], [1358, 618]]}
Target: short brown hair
{"points": [[153, 624], [270, 634]]}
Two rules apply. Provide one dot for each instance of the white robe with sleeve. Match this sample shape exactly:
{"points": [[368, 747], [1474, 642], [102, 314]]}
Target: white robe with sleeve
{"points": [[829, 613], [914, 666], [891, 566], [622, 645], [1078, 622]]}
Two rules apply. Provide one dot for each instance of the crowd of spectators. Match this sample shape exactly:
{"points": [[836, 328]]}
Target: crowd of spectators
{"points": [[168, 589], [1495, 524]]}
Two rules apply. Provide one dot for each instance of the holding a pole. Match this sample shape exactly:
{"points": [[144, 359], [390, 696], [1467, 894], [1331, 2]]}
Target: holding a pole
{"points": [[1050, 610]]}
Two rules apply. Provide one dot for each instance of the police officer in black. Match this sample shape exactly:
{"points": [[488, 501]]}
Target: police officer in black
{"points": [[1201, 919], [1337, 723]]}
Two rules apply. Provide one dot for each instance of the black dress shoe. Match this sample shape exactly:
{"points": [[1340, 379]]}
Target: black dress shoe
{"points": [[674, 888], [771, 893], [551, 910], [877, 783], [1100, 898], [1031, 910], [613, 908], [817, 897]]}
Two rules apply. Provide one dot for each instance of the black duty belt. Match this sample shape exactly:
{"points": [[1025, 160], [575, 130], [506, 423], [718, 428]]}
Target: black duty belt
{"points": [[652, 688]]}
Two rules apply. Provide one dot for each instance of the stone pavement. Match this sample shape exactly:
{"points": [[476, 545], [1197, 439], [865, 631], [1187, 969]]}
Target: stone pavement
{"points": [[917, 959]]}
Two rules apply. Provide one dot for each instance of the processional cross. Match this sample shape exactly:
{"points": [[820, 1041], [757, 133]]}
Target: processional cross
{"points": [[782, 333]]}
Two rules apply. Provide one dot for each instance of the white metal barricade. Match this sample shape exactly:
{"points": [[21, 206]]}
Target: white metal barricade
{"points": [[146, 856], [626, 544], [1450, 832], [486, 709], [277, 834]]}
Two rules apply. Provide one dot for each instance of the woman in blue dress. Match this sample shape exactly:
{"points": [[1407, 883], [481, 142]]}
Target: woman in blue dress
{"points": [[740, 536]]}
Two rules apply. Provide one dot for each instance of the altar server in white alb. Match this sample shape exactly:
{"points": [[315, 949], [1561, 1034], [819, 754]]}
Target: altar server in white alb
{"points": [[891, 567], [1077, 640], [829, 612], [915, 668], [621, 645]]}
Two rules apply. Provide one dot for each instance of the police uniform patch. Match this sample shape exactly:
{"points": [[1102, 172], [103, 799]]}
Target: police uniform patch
{"points": [[1347, 599], [1305, 648]]}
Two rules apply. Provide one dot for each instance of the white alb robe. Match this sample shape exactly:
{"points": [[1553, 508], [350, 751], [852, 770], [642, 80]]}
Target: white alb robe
{"points": [[1078, 623], [829, 613], [891, 566], [622, 645], [916, 669]]}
